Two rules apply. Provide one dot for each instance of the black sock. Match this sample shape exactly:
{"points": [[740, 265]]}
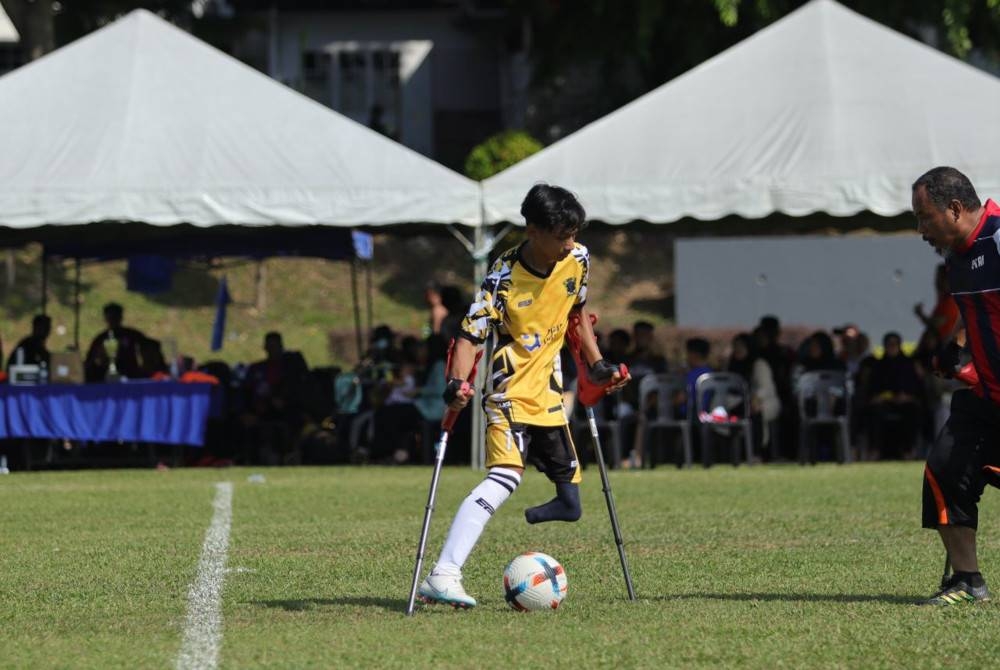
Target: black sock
{"points": [[973, 579], [564, 507]]}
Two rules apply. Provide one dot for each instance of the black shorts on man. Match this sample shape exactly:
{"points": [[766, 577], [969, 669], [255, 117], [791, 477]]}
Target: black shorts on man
{"points": [[964, 459]]}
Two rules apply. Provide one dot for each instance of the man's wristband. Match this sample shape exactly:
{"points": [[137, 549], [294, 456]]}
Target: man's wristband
{"points": [[451, 389], [601, 372]]}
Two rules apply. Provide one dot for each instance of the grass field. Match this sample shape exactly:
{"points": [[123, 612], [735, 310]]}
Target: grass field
{"points": [[761, 567]]}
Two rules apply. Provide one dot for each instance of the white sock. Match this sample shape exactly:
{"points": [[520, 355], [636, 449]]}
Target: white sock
{"points": [[471, 518]]}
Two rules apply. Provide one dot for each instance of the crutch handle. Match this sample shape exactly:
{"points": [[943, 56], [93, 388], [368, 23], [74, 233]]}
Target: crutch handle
{"points": [[451, 415]]}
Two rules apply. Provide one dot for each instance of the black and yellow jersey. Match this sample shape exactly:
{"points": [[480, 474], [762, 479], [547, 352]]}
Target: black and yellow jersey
{"points": [[526, 314]]}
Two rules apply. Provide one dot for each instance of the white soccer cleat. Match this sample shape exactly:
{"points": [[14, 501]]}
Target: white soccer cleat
{"points": [[445, 589]]}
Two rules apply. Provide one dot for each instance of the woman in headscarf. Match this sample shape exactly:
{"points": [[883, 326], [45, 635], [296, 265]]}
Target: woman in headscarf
{"points": [[765, 406]]}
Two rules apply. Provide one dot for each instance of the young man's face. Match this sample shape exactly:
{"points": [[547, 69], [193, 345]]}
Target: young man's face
{"points": [[551, 245]]}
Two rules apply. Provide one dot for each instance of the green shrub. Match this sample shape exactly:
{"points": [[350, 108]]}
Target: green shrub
{"points": [[499, 152]]}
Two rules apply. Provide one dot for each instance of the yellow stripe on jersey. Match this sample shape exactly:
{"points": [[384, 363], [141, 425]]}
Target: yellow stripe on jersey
{"points": [[527, 313]]}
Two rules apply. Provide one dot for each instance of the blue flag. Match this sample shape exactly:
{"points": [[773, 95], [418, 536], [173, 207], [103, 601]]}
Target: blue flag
{"points": [[219, 327], [364, 245]]}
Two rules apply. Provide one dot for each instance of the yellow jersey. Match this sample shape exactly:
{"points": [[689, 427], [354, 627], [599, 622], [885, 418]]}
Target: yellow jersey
{"points": [[526, 315]]}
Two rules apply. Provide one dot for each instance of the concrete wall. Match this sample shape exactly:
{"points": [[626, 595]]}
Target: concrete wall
{"points": [[824, 282]]}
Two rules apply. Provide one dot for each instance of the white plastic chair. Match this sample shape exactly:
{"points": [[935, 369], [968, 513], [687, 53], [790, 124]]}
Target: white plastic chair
{"points": [[729, 391]]}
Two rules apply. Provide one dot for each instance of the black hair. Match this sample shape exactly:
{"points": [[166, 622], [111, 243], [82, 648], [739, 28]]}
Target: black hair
{"points": [[698, 345], [642, 325], [383, 332], [41, 320], [944, 184], [114, 308], [273, 335], [770, 324], [620, 334], [452, 299], [553, 208], [890, 336]]}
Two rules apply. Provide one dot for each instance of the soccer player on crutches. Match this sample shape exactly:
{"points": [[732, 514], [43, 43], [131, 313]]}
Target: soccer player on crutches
{"points": [[524, 305]]}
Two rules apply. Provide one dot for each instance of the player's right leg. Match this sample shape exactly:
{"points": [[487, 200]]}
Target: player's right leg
{"points": [[504, 460], [953, 483]]}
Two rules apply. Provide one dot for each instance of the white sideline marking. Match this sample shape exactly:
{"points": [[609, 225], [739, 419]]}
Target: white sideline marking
{"points": [[203, 626]]}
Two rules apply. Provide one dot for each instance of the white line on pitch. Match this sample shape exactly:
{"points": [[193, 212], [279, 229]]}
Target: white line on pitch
{"points": [[203, 626]]}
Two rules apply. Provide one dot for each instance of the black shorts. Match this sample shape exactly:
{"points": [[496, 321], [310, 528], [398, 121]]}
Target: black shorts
{"points": [[549, 448], [965, 458]]}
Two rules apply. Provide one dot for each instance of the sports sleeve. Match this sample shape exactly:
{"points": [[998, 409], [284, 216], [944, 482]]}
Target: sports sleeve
{"points": [[488, 307], [582, 257]]}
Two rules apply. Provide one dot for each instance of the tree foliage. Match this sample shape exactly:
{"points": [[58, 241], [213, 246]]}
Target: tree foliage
{"points": [[45, 25], [635, 45], [499, 152]]}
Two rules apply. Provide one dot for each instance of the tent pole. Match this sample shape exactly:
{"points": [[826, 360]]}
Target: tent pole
{"points": [[482, 246], [368, 287], [45, 281], [357, 308], [76, 308]]}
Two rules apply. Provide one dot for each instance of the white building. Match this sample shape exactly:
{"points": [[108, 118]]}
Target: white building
{"points": [[438, 76]]}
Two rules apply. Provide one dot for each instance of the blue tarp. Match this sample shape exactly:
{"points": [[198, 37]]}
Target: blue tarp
{"points": [[143, 411]]}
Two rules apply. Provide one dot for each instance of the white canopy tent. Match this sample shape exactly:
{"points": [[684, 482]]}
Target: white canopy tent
{"points": [[823, 111], [8, 33], [140, 121]]}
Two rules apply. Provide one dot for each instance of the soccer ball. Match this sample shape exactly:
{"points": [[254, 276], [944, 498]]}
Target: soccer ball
{"points": [[534, 581]]}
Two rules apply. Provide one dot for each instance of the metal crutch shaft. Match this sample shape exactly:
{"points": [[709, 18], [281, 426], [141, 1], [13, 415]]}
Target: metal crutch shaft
{"points": [[610, 499], [442, 445], [447, 423]]}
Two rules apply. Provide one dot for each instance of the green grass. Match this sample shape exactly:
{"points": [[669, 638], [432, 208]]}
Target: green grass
{"points": [[760, 567]]}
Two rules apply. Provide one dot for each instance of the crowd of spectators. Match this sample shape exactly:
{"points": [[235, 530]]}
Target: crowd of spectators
{"points": [[388, 407], [893, 400]]}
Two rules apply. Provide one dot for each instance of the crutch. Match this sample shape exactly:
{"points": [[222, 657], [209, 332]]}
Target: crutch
{"points": [[610, 499], [447, 422], [589, 395]]}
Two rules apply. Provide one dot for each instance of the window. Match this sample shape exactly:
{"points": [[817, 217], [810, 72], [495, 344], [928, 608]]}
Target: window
{"points": [[361, 81], [316, 75]]}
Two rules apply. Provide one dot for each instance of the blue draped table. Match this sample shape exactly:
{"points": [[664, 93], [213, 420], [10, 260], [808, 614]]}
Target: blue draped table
{"points": [[136, 411]]}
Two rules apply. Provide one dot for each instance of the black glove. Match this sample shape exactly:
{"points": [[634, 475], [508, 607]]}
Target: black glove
{"points": [[451, 389], [949, 359], [601, 372]]}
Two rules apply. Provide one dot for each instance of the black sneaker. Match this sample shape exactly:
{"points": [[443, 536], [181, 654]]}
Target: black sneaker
{"points": [[955, 591]]}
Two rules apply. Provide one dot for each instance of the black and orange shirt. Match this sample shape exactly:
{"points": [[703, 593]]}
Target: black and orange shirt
{"points": [[974, 280], [526, 315]]}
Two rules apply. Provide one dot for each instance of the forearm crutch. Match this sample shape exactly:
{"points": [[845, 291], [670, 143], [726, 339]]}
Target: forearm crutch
{"points": [[588, 395], [447, 422], [610, 499]]}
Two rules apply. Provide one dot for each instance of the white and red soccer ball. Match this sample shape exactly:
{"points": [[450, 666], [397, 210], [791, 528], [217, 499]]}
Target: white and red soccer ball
{"points": [[534, 581]]}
